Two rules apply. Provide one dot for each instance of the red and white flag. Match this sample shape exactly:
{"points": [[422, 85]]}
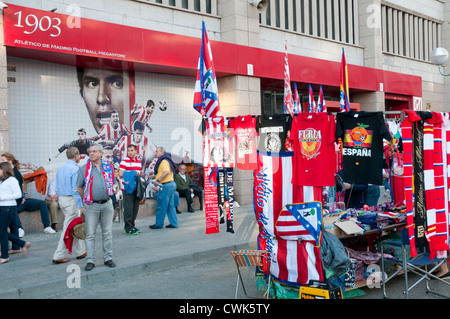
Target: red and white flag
{"points": [[311, 103], [295, 262], [344, 101], [206, 95], [321, 107], [291, 261], [301, 221], [272, 188], [288, 100], [297, 103]]}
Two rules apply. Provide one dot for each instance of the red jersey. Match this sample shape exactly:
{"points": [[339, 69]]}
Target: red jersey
{"points": [[312, 137], [108, 132], [140, 114], [243, 129]]}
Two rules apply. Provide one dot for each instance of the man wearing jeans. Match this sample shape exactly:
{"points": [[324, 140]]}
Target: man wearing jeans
{"points": [[130, 168], [165, 169], [95, 185]]}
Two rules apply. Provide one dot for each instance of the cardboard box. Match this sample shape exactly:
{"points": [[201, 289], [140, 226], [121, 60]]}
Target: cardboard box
{"points": [[340, 228], [349, 227], [329, 225]]}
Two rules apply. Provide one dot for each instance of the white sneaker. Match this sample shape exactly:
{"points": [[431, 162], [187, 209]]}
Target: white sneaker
{"points": [[21, 232], [49, 230]]}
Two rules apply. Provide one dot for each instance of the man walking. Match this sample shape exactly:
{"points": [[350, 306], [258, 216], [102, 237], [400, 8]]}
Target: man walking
{"points": [[95, 185], [70, 204], [130, 168], [165, 169]]}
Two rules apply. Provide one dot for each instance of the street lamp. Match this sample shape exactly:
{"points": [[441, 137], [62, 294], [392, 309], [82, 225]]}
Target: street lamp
{"points": [[438, 57]]}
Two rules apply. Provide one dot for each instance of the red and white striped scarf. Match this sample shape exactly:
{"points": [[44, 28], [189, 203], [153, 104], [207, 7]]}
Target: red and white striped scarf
{"points": [[108, 176], [446, 151], [435, 153], [407, 173], [429, 179], [441, 221]]}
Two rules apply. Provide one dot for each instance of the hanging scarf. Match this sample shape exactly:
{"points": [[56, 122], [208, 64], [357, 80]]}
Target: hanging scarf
{"points": [[408, 173], [429, 186], [225, 194], [221, 195], [230, 194], [441, 222], [445, 144], [416, 145], [420, 205], [88, 180], [211, 199]]}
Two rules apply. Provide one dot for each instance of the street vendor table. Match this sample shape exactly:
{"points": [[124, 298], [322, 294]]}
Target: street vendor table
{"points": [[387, 229]]}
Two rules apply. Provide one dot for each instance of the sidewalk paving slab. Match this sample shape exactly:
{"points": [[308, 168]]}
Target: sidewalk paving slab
{"points": [[34, 275]]}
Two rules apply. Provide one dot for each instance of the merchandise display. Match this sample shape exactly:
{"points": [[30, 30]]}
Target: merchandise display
{"points": [[393, 171]]}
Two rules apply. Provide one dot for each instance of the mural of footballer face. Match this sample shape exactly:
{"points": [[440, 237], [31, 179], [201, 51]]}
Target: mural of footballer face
{"points": [[102, 91]]}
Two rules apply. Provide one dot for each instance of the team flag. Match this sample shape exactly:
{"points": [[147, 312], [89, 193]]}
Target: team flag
{"points": [[288, 101], [292, 261], [295, 262], [297, 104], [311, 103], [206, 96], [344, 98], [321, 107]]}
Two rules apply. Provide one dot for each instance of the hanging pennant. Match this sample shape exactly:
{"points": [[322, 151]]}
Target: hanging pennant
{"points": [[230, 194]]}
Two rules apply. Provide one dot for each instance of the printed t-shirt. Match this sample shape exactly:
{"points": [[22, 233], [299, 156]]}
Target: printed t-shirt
{"points": [[243, 129], [362, 136], [312, 136], [273, 131], [217, 143], [108, 132]]}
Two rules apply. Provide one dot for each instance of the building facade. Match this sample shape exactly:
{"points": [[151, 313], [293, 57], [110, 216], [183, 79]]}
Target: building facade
{"points": [[66, 64]]}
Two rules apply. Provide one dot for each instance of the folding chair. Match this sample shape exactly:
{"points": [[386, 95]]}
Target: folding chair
{"points": [[249, 258], [414, 265]]}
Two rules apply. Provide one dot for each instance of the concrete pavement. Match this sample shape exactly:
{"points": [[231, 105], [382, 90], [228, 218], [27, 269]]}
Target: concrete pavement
{"points": [[35, 275], [152, 251]]}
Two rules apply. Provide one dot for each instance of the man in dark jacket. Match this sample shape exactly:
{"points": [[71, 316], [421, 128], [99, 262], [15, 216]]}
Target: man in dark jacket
{"points": [[187, 188], [354, 193]]}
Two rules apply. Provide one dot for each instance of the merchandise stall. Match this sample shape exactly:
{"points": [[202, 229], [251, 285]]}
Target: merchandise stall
{"points": [[326, 190]]}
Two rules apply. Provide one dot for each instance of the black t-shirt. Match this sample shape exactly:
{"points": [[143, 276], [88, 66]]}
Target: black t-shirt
{"points": [[362, 136], [273, 130]]}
